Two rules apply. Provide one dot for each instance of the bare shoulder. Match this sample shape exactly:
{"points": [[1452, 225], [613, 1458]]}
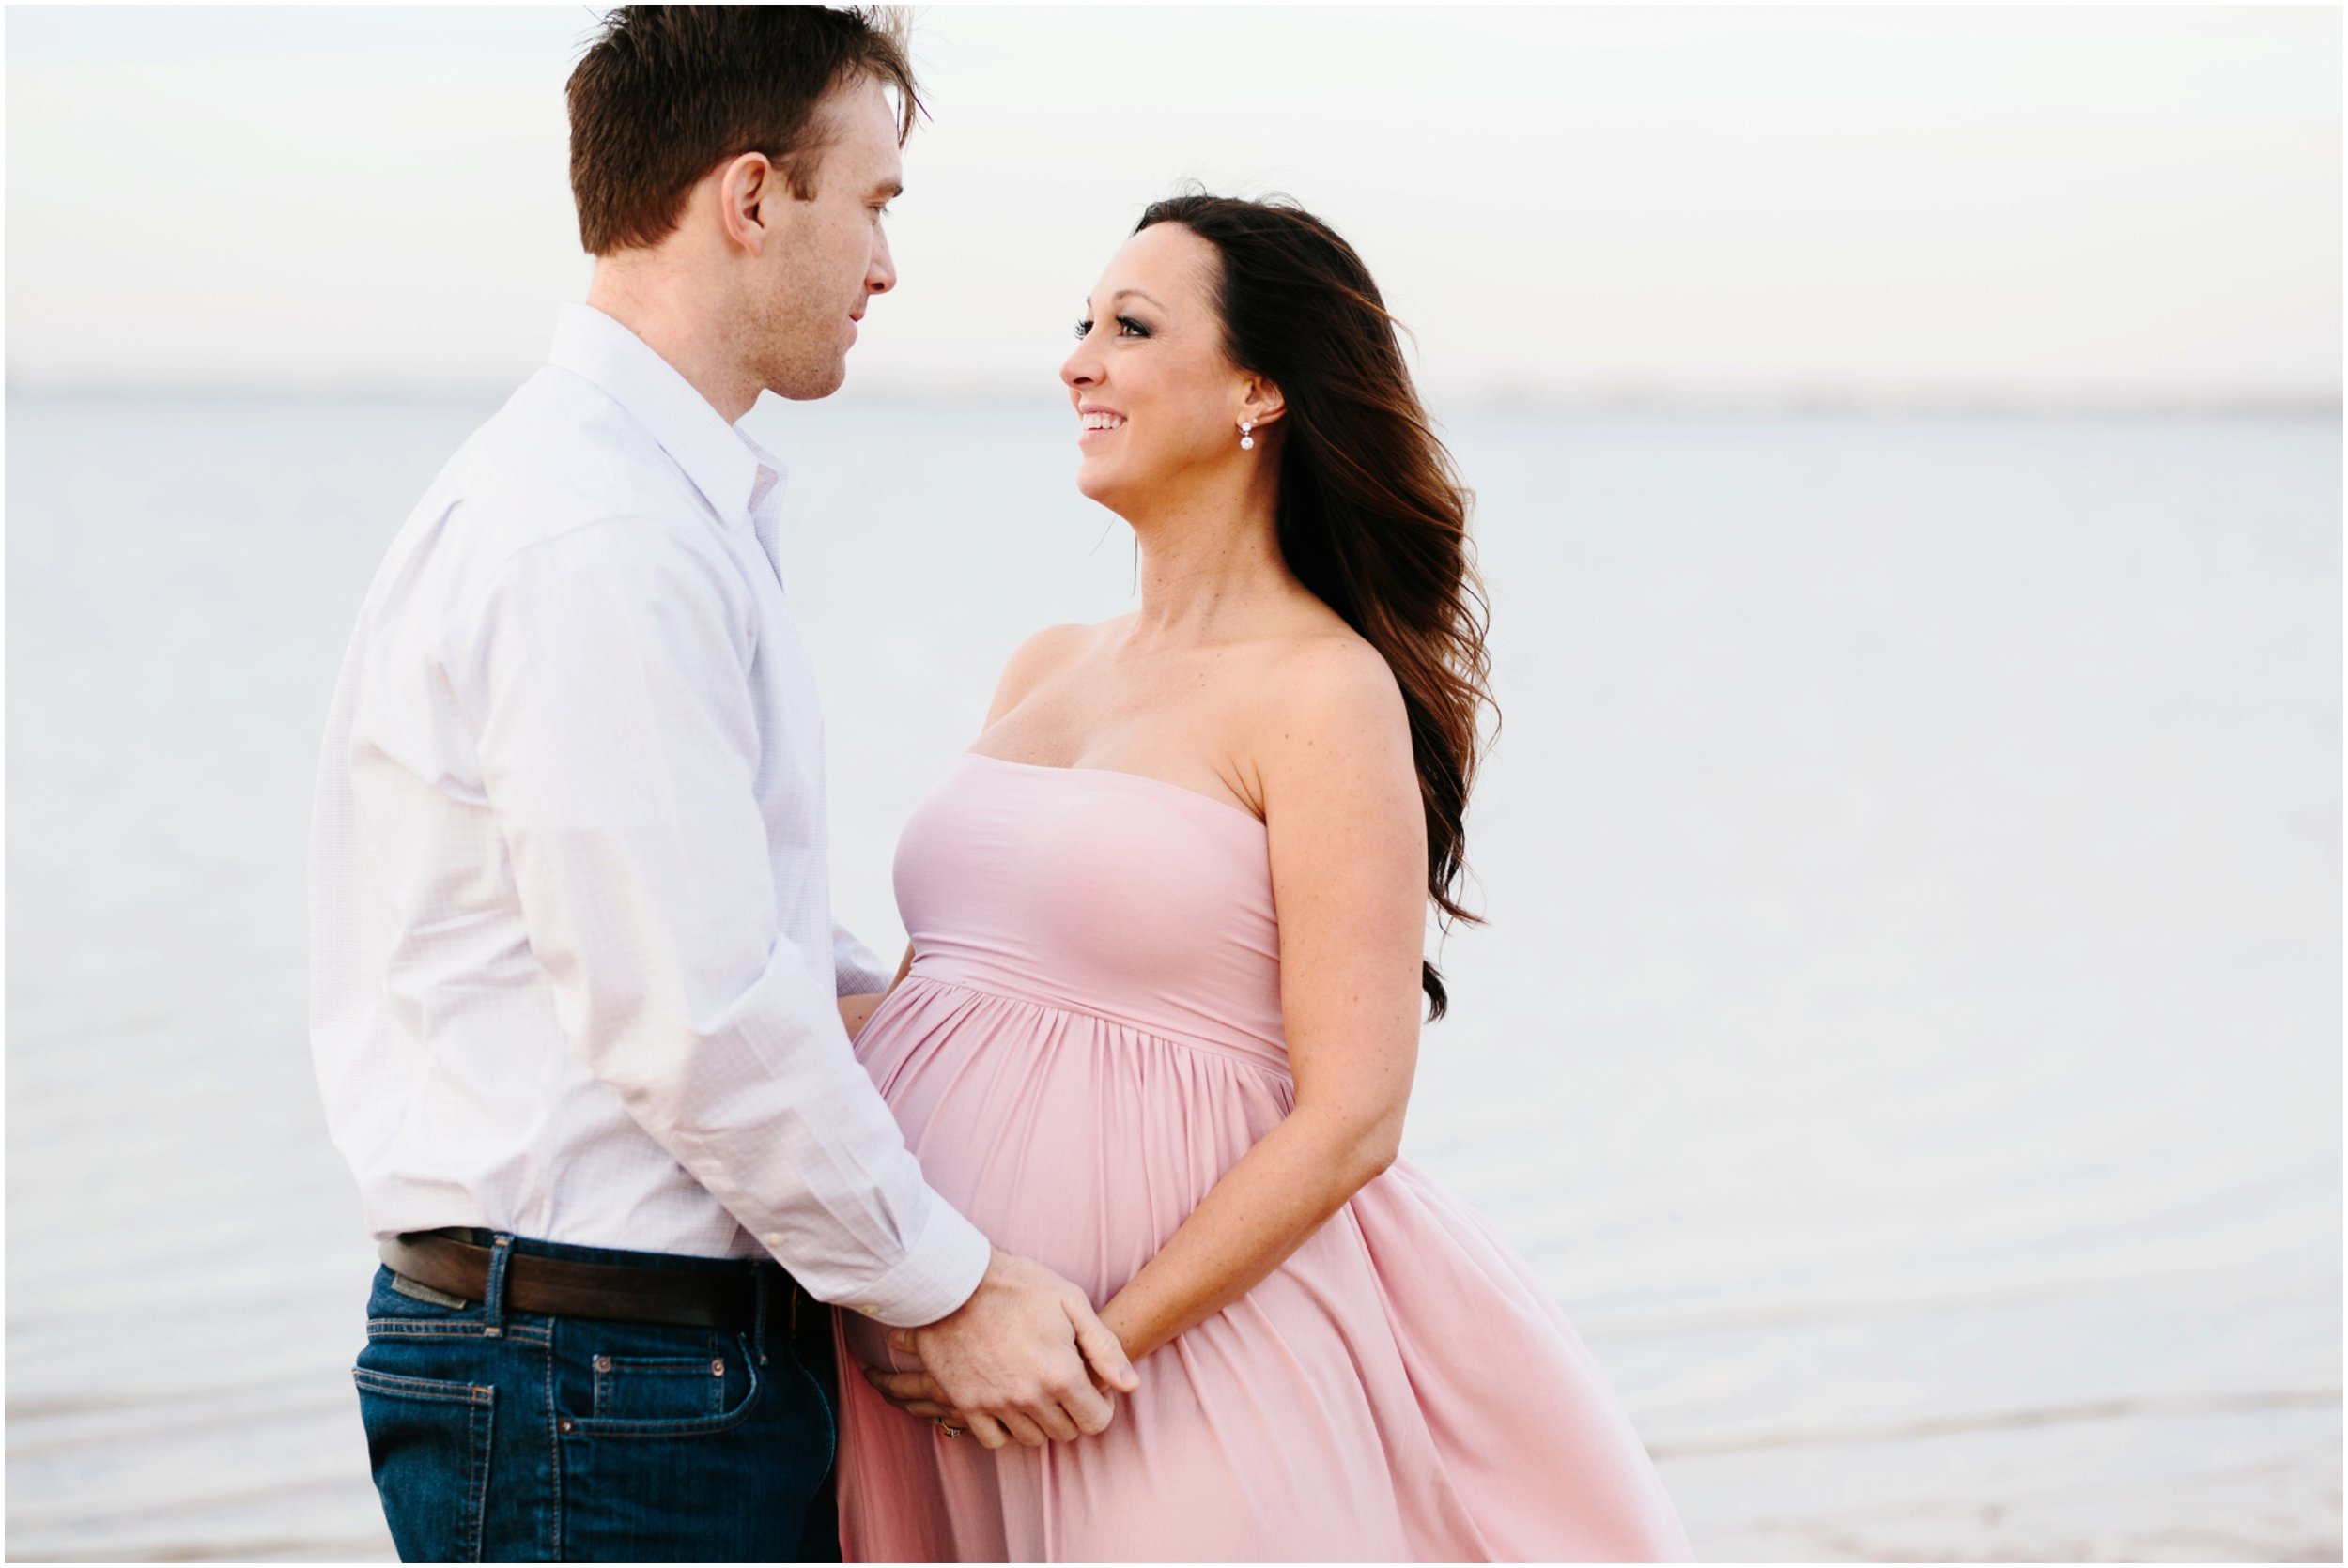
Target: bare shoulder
{"points": [[1041, 656], [1334, 679], [1332, 717]]}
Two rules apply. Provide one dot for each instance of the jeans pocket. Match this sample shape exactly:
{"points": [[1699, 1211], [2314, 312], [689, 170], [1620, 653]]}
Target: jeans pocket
{"points": [[428, 1443], [669, 1396], [660, 1388], [733, 1486]]}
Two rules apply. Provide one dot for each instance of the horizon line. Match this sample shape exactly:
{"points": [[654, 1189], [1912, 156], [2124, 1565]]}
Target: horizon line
{"points": [[1654, 401]]}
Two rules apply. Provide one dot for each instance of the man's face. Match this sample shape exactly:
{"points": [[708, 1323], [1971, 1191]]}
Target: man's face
{"points": [[830, 254]]}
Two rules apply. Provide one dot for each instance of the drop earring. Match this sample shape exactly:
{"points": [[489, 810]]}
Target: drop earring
{"points": [[1246, 441]]}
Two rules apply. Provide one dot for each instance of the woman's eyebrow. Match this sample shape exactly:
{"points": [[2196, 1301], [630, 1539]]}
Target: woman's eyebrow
{"points": [[1121, 294]]}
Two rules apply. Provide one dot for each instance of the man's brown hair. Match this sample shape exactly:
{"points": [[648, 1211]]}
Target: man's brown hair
{"points": [[667, 93]]}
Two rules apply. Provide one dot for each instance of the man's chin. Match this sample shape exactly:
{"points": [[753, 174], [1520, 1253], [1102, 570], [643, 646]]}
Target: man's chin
{"points": [[805, 384]]}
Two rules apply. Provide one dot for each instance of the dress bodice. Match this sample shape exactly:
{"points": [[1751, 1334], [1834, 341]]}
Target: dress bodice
{"points": [[1097, 892]]}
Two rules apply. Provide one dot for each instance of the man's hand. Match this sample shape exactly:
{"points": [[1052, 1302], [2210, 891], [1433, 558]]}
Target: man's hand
{"points": [[1024, 1358]]}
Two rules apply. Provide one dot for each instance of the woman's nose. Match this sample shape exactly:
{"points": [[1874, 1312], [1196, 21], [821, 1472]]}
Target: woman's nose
{"points": [[1081, 368]]}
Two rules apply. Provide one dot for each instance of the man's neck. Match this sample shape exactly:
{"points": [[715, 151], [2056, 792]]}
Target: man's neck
{"points": [[660, 307]]}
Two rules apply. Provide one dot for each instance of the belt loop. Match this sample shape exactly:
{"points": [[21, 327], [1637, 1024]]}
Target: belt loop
{"points": [[501, 1253]]}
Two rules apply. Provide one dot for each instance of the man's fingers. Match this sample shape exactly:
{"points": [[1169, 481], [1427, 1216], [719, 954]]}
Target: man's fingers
{"points": [[988, 1431], [1085, 1404], [1022, 1430], [1090, 1408], [1053, 1420], [1102, 1351]]}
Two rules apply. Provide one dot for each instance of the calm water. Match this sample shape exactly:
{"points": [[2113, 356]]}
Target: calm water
{"points": [[1906, 1038]]}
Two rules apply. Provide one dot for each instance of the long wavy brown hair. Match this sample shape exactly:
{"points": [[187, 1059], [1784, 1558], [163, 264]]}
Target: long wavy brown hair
{"points": [[1372, 516]]}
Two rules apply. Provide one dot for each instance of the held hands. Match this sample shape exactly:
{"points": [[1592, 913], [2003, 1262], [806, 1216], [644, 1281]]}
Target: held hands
{"points": [[1024, 1359]]}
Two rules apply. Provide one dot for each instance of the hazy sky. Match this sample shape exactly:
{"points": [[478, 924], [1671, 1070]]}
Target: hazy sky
{"points": [[2042, 205]]}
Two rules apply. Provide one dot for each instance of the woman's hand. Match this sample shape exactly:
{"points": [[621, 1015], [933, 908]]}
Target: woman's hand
{"points": [[858, 1010], [916, 1394], [854, 1011]]}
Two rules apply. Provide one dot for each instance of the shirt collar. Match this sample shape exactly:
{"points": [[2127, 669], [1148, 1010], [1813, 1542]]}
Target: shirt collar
{"points": [[724, 464]]}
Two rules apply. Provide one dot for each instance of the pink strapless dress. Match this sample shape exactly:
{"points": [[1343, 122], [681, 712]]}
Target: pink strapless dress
{"points": [[1088, 1037]]}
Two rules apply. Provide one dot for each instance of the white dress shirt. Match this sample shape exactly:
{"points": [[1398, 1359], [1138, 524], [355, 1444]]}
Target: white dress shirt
{"points": [[573, 964]]}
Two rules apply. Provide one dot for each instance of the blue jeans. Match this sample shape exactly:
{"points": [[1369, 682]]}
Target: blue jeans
{"points": [[510, 1437]]}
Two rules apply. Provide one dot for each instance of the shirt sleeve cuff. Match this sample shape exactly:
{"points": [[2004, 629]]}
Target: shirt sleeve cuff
{"points": [[937, 1274]]}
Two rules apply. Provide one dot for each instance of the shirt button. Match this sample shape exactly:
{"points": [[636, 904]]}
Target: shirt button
{"points": [[774, 1239], [868, 1309]]}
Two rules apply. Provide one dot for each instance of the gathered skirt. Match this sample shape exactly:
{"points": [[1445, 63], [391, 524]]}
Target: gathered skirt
{"points": [[1399, 1389]]}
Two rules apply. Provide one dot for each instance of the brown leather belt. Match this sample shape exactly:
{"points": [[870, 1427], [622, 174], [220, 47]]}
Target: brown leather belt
{"points": [[722, 1299]]}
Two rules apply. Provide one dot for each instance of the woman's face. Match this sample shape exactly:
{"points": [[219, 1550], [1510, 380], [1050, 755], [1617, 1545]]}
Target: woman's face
{"points": [[1158, 404]]}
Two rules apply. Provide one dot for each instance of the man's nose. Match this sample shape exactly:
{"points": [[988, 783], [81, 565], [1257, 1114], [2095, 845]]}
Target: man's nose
{"points": [[882, 276]]}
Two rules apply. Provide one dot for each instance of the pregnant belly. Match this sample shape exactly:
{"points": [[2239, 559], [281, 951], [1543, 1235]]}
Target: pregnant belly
{"points": [[1072, 1139]]}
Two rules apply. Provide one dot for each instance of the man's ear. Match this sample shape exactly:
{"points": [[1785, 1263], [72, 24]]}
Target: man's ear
{"points": [[747, 187]]}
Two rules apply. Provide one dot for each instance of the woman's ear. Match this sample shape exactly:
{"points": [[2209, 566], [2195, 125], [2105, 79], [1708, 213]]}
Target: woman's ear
{"points": [[1260, 401]]}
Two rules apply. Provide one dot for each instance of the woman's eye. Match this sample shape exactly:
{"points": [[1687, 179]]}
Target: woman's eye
{"points": [[1126, 327]]}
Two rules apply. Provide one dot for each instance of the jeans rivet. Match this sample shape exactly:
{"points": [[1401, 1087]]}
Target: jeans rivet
{"points": [[565, 1423], [492, 1331], [717, 1369], [603, 1364]]}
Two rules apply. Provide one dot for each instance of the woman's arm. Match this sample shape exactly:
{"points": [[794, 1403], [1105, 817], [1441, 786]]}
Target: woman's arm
{"points": [[854, 1011], [1349, 878]]}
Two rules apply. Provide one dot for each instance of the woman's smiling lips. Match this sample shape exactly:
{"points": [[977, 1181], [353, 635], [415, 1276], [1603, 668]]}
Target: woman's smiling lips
{"points": [[1097, 422]]}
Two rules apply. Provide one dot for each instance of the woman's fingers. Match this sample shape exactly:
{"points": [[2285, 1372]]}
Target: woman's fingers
{"points": [[898, 1387], [929, 1409]]}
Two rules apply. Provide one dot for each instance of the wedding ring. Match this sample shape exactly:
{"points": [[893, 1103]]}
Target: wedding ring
{"points": [[948, 1428]]}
